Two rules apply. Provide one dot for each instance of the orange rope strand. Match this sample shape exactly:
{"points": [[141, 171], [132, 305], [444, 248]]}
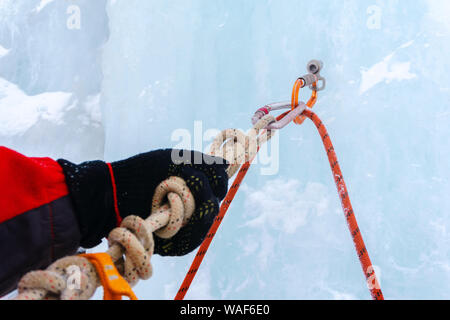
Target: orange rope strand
{"points": [[360, 247]]}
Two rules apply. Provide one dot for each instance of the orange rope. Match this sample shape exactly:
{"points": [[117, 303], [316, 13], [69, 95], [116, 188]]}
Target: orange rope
{"points": [[361, 249], [212, 232]]}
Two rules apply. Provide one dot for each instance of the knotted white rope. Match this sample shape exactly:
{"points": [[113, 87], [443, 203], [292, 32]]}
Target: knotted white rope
{"points": [[237, 147], [131, 246]]}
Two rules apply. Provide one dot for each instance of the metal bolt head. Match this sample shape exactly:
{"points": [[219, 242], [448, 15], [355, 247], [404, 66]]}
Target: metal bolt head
{"points": [[314, 66]]}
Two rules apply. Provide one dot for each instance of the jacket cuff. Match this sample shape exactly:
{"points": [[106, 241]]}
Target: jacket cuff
{"points": [[91, 190]]}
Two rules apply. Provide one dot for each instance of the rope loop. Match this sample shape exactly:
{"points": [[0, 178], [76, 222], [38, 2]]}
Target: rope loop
{"points": [[70, 278], [237, 147], [181, 201], [137, 250]]}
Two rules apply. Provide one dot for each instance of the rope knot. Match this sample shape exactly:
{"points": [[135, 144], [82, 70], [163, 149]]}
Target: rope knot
{"points": [[135, 236], [237, 147]]}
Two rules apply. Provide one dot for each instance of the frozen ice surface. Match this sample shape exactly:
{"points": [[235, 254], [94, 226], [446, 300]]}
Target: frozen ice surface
{"points": [[50, 78], [136, 71]]}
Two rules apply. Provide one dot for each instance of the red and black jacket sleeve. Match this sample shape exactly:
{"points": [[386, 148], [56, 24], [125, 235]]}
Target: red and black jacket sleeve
{"points": [[38, 224], [48, 209]]}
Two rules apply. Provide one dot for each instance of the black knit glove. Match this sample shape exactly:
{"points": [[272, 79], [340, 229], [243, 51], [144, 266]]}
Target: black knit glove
{"points": [[136, 179]]}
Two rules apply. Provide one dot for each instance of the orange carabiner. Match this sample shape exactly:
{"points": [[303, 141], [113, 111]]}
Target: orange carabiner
{"points": [[300, 83]]}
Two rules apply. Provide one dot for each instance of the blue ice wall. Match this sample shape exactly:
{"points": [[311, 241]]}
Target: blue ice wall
{"points": [[51, 75]]}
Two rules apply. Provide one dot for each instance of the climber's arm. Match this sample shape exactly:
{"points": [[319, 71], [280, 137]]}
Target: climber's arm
{"points": [[37, 220], [49, 209]]}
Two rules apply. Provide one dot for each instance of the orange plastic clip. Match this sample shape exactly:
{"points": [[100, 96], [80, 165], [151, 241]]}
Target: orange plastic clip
{"points": [[114, 285]]}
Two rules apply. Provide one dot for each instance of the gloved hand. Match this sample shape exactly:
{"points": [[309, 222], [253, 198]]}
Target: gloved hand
{"points": [[91, 188]]}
